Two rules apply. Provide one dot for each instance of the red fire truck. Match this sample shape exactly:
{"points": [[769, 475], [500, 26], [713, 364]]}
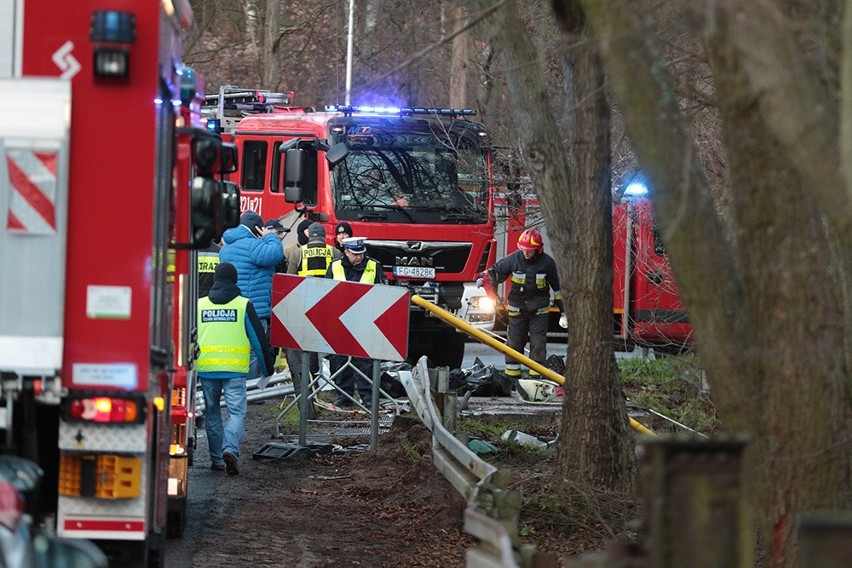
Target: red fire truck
{"points": [[107, 186], [647, 309], [415, 181]]}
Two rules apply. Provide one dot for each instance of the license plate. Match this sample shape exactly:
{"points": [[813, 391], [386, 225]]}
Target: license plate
{"points": [[414, 271]]}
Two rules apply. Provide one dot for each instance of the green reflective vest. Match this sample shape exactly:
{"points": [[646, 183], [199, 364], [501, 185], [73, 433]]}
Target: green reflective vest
{"points": [[222, 337]]}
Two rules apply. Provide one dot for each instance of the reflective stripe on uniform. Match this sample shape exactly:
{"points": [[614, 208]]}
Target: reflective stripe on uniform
{"points": [[315, 259]]}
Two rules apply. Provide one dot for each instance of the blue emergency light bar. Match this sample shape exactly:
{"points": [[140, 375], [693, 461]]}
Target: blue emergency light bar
{"points": [[349, 110]]}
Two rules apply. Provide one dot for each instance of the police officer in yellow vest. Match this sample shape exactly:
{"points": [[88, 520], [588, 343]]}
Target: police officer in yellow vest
{"points": [[309, 259], [228, 331], [312, 258], [355, 266]]}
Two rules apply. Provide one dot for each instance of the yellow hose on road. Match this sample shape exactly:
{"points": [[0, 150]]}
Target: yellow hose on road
{"points": [[483, 337]]}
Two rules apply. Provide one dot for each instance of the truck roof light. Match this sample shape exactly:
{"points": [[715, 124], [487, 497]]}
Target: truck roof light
{"points": [[636, 189], [400, 111], [112, 26]]}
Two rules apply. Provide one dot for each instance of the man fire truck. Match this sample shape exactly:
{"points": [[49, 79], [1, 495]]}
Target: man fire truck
{"points": [[105, 192], [415, 181]]}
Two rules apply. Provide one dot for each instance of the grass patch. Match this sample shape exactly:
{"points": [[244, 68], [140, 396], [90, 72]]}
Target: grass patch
{"points": [[672, 386]]}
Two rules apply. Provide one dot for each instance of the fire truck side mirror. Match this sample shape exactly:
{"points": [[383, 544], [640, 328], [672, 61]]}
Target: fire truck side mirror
{"points": [[336, 154], [230, 205], [207, 211], [207, 154], [229, 158], [294, 171]]}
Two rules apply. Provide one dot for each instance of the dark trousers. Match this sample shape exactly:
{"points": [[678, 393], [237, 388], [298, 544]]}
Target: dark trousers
{"points": [[527, 325], [348, 378]]}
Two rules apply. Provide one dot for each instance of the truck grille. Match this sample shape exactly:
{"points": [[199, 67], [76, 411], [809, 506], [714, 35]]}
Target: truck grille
{"points": [[444, 257]]}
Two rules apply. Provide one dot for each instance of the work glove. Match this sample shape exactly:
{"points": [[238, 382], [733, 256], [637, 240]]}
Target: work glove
{"points": [[479, 282], [563, 321]]}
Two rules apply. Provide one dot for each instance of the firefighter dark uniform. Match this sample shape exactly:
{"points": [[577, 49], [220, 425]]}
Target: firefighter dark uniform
{"points": [[532, 276], [355, 266]]}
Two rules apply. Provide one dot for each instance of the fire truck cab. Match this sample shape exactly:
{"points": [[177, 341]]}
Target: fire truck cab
{"points": [[415, 181]]}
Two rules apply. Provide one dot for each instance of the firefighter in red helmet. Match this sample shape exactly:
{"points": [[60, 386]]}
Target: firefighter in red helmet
{"points": [[533, 275]]}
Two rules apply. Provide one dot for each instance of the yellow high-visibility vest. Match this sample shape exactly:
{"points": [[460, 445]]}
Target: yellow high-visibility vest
{"points": [[222, 337], [367, 277], [315, 259]]}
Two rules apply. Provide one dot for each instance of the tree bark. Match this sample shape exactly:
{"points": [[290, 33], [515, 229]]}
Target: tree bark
{"points": [[594, 444], [768, 301]]}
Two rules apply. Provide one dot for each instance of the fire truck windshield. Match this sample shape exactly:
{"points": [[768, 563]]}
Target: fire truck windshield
{"points": [[424, 182]]}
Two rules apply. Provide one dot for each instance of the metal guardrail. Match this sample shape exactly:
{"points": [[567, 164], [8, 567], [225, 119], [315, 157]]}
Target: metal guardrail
{"points": [[492, 511]]}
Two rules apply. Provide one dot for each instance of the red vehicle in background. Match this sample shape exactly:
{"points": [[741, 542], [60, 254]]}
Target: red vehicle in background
{"points": [[415, 181], [107, 186], [647, 309]]}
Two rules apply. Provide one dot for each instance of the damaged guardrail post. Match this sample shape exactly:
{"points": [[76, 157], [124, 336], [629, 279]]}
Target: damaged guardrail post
{"points": [[695, 510]]}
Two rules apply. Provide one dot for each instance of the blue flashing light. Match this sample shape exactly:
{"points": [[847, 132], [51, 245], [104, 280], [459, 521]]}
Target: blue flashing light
{"points": [[636, 189], [112, 26], [398, 111], [213, 125]]}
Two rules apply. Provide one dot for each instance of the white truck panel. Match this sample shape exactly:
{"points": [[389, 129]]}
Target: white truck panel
{"points": [[34, 153]]}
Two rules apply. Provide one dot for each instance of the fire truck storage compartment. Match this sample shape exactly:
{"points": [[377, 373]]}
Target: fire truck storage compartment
{"points": [[34, 132]]}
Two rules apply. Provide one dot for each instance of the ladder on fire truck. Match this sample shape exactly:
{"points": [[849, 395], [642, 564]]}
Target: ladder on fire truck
{"points": [[224, 110]]}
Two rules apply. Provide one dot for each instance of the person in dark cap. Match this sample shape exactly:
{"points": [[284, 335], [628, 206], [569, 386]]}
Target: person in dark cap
{"points": [[229, 330], [275, 225], [355, 266], [254, 250], [301, 240], [343, 230]]}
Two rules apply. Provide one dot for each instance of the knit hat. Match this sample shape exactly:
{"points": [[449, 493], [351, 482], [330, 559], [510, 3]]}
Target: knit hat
{"points": [[316, 230], [225, 271], [343, 225], [300, 231]]}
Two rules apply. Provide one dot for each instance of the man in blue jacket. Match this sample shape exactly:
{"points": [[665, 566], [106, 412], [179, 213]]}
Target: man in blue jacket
{"points": [[228, 332], [254, 250]]}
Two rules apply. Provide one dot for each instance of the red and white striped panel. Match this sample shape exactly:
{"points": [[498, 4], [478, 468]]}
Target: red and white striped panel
{"points": [[32, 199]]}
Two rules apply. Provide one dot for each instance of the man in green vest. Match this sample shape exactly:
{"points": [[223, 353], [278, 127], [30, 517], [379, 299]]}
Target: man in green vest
{"points": [[229, 330], [355, 266]]}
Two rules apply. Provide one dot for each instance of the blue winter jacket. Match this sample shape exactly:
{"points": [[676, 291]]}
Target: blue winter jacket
{"points": [[255, 261]]}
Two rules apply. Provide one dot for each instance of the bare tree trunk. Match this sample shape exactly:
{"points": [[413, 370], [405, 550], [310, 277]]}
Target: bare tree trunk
{"points": [[270, 73], [594, 414], [595, 446], [459, 61], [764, 303]]}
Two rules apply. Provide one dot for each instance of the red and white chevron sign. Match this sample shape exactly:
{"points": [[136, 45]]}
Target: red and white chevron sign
{"points": [[32, 202], [346, 318]]}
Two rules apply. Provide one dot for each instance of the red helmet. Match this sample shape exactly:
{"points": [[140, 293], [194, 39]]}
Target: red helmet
{"points": [[531, 240]]}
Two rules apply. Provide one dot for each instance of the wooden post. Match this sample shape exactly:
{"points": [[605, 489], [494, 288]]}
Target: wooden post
{"points": [[825, 540], [695, 511]]}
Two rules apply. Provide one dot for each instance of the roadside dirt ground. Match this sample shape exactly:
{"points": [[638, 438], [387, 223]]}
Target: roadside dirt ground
{"points": [[383, 507]]}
